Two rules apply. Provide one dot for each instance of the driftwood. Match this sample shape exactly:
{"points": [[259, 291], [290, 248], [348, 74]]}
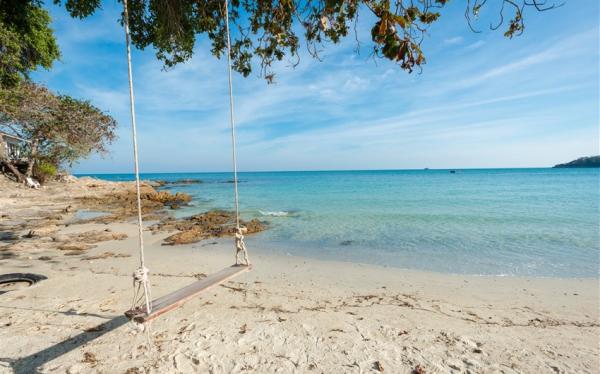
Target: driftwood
{"points": [[13, 169]]}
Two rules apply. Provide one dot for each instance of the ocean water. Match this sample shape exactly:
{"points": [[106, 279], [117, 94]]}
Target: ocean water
{"points": [[513, 222]]}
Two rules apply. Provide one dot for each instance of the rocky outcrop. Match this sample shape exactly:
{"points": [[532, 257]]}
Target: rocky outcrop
{"points": [[160, 183], [213, 224], [82, 241], [122, 203], [95, 236]]}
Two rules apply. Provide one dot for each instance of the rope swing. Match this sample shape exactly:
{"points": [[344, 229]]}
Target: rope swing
{"points": [[140, 276], [143, 308], [240, 246]]}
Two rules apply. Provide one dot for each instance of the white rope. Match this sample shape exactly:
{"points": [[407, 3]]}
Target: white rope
{"points": [[239, 237], [140, 276]]}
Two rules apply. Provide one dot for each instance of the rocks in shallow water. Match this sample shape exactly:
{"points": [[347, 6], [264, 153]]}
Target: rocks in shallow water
{"points": [[186, 181], [160, 183], [253, 226], [167, 198], [123, 203], [213, 224]]}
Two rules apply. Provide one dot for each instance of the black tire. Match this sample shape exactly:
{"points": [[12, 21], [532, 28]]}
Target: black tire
{"points": [[21, 277]]}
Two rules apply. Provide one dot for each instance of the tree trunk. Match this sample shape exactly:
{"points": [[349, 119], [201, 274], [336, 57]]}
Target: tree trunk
{"points": [[13, 169], [29, 171]]}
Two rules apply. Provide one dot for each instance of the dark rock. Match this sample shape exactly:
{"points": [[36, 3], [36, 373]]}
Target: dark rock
{"points": [[161, 183]]}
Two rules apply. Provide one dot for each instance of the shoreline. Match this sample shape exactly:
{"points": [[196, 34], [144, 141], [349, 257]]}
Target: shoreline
{"points": [[421, 271], [289, 314]]}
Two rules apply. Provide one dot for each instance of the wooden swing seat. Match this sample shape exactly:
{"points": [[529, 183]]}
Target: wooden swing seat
{"points": [[177, 298]]}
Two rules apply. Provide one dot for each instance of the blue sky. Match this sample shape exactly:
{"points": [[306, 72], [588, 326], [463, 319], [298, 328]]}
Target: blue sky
{"points": [[481, 101]]}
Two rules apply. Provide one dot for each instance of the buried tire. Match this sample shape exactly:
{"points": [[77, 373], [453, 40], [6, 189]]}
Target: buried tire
{"points": [[17, 281]]}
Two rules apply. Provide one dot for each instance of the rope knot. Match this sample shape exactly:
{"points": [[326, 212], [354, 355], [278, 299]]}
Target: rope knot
{"points": [[240, 246], [140, 275]]}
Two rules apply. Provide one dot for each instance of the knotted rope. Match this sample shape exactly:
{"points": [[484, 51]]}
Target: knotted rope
{"points": [[140, 276], [239, 231]]}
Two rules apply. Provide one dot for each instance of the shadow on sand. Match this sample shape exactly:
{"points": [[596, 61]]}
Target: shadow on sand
{"points": [[32, 363]]}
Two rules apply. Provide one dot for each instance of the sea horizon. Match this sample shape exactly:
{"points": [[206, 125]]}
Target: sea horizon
{"points": [[91, 174]]}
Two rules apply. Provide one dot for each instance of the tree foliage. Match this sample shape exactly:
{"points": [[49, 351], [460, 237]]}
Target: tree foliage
{"points": [[269, 30], [26, 40], [60, 129]]}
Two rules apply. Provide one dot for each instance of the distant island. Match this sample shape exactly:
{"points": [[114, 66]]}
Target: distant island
{"points": [[582, 162]]}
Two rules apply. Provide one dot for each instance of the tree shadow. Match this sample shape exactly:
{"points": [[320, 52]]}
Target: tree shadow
{"points": [[32, 363]]}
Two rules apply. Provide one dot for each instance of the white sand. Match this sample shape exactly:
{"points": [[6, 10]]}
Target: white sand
{"points": [[289, 314]]}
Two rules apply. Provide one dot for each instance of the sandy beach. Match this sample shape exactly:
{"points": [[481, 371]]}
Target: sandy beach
{"points": [[289, 314]]}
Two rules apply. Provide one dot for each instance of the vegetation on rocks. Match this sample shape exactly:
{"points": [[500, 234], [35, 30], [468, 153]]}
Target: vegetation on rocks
{"points": [[582, 162]]}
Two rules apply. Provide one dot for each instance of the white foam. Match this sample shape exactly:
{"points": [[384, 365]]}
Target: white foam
{"points": [[274, 214]]}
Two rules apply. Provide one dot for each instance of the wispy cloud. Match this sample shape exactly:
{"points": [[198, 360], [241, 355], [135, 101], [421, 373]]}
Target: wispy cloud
{"points": [[454, 40]]}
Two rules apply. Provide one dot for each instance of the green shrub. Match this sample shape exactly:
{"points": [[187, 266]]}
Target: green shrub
{"points": [[44, 170]]}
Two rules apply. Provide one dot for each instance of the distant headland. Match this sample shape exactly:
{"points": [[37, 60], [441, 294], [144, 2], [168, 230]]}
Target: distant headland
{"points": [[582, 162]]}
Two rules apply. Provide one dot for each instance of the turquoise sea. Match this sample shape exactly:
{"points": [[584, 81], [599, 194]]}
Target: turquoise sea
{"points": [[513, 222]]}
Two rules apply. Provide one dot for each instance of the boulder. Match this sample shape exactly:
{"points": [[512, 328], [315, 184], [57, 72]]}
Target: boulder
{"points": [[213, 224], [185, 237], [72, 247]]}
